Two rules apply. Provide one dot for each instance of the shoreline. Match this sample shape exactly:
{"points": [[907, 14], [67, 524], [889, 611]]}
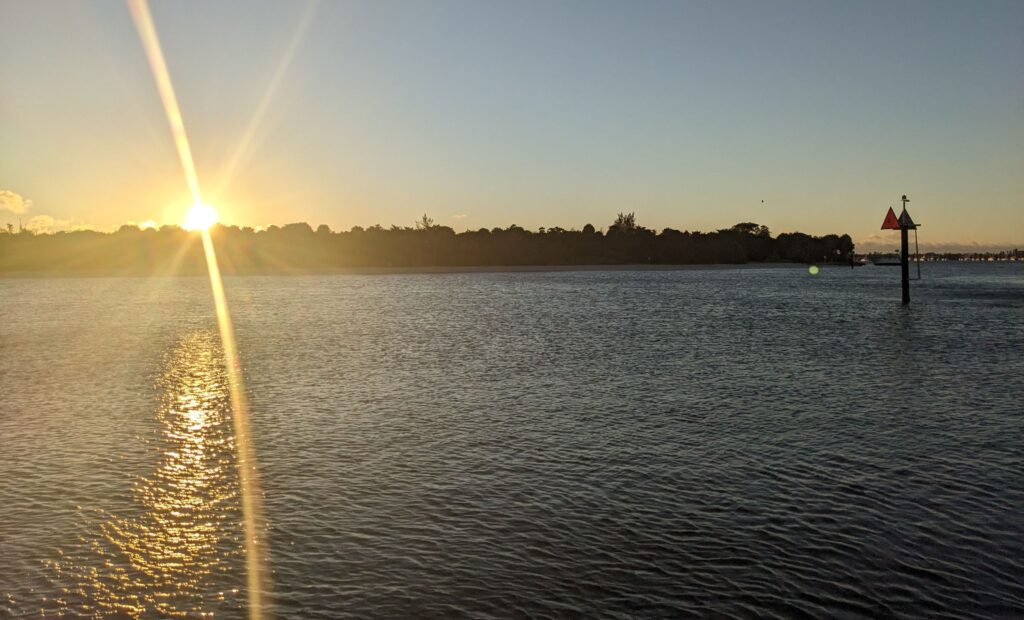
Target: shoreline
{"points": [[441, 269]]}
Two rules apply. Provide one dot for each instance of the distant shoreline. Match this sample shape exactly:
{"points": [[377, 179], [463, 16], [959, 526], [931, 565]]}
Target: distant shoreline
{"points": [[426, 248], [369, 271]]}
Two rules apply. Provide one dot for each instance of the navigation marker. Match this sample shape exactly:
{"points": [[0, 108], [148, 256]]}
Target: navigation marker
{"points": [[891, 221]]}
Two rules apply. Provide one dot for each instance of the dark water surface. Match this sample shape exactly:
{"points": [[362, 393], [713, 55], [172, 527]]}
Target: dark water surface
{"points": [[747, 442]]}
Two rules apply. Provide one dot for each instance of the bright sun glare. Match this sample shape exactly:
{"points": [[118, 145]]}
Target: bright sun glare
{"points": [[199, 217]]}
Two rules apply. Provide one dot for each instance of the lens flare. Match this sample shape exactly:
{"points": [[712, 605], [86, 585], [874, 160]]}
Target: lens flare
{"points": [[248, 476], [199, 217], [147, 33], [255, 547]]}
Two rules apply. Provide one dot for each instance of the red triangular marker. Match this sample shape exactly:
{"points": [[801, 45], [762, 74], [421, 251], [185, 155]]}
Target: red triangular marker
{"points": [[891, 223]]}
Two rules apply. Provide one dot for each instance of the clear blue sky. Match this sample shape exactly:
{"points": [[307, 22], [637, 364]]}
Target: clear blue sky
{"points": [[534, 113]]}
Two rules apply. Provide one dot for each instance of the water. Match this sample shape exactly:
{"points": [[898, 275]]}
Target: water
{"points": [[616, 443]]}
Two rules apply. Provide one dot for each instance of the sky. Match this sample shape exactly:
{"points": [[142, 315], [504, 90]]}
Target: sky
{"points": [[812, 116]]}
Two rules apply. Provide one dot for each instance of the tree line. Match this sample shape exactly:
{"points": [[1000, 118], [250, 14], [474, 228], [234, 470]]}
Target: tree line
{"points": [[300, 248]]}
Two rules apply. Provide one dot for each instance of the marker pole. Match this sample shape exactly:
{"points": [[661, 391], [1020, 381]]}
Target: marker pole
{"points": [[905, 263]]}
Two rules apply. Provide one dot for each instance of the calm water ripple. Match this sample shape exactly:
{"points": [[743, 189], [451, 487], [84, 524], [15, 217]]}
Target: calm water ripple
{"points": [[743, 442]]}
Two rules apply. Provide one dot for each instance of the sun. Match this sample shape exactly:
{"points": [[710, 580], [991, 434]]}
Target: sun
{"points": [[199, 217]]}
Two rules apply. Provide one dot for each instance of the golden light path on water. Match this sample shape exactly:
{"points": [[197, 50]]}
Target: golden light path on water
{"points": [[174, 556], [255, 547]]}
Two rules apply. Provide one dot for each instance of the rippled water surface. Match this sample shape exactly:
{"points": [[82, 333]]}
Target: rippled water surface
{"points": [[621, 443]]}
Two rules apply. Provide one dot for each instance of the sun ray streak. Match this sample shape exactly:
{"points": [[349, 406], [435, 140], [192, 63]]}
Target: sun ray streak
{"points": [[255, 545], [147, 32], [248, 477], [242, 149]]}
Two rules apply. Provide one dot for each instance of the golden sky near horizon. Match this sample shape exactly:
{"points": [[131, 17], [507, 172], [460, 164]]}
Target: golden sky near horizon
{"points": [[695, 116]]}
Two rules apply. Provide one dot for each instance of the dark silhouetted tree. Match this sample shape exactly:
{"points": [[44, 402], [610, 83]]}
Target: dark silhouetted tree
{"points": [[752, 229], [297, 248], [624, 222]]}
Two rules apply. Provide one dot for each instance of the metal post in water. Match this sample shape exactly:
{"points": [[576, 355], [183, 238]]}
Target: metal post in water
{"points": [[905, 263]]}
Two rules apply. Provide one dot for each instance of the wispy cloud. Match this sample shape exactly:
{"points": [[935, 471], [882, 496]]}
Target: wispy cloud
{"points": [[458, 216], [887, 242], [13, 202], [49, 224], [143, 225]]}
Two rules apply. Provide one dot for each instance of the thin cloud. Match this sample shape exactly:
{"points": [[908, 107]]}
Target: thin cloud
{"points": [[143, 225], [887, 242], [13, 202], [48, 224]]}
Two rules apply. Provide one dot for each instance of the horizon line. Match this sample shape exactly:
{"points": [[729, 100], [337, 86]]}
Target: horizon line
{"points": [[869, 244]]}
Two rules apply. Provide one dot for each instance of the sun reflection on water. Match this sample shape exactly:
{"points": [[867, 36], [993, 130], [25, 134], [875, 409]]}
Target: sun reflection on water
{"points": [[182, 553]]}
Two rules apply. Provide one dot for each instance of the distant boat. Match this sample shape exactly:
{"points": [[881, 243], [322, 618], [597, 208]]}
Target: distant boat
{"points": [[885, 259]]}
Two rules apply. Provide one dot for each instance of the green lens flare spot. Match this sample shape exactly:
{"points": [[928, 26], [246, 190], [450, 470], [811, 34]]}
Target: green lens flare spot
{"points": [[813, 269]]}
